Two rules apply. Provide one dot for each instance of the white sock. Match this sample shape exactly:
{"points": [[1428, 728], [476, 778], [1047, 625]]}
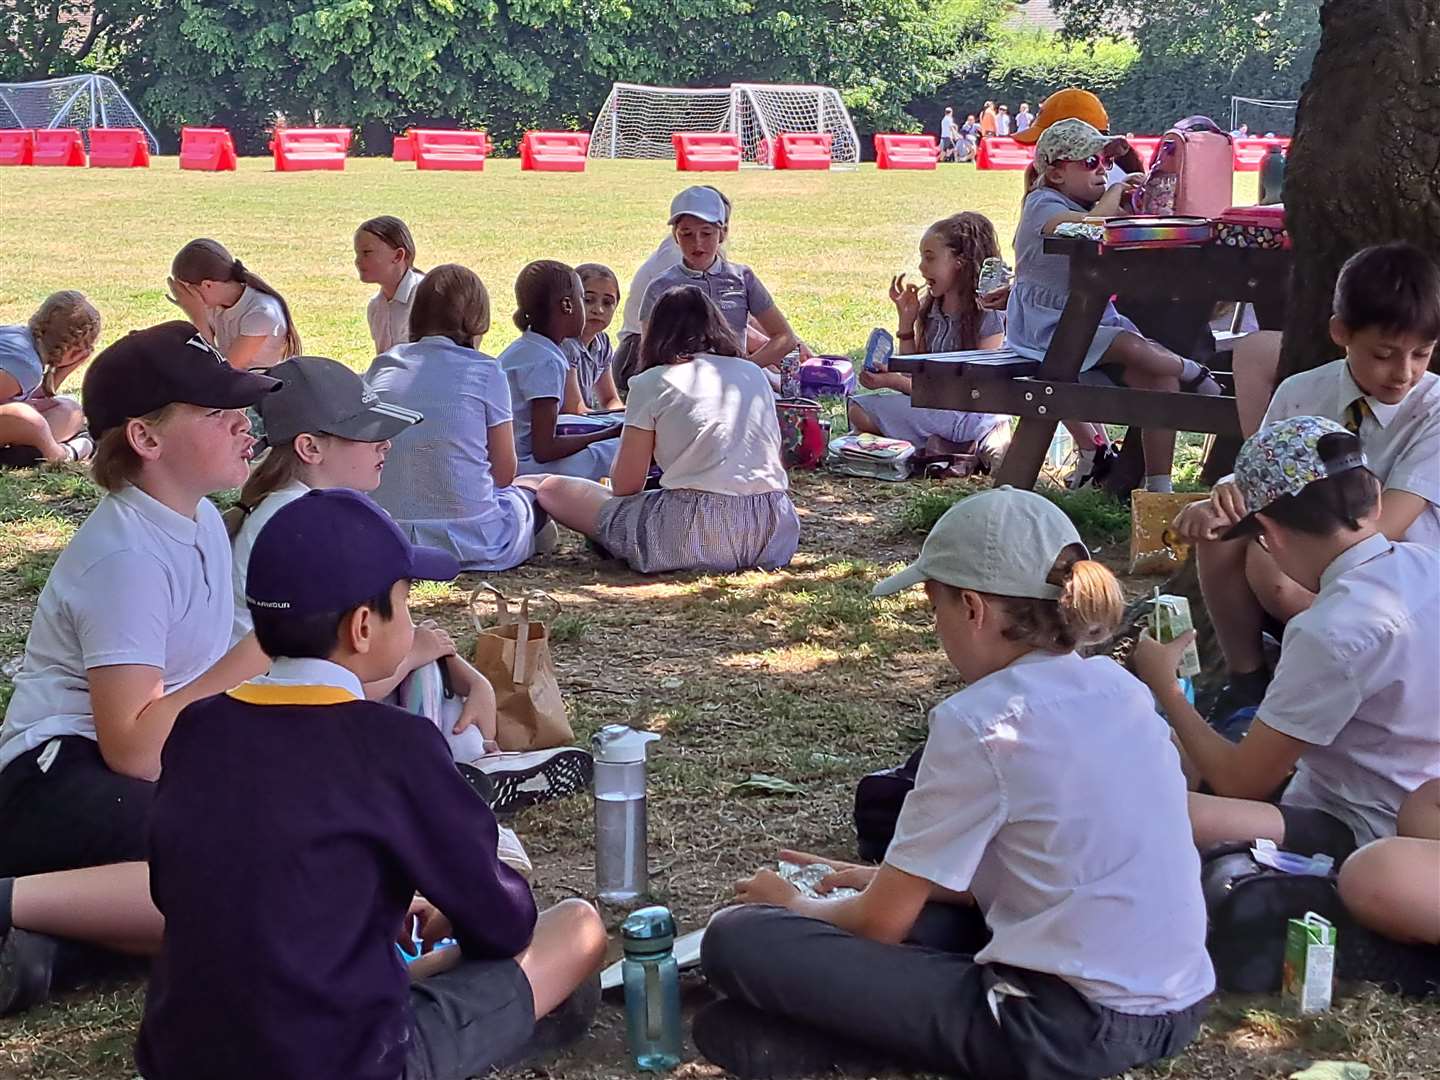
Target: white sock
{"points": [[1159, 483]]}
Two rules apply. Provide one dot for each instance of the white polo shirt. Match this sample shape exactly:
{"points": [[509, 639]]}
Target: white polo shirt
{"points": [[240, 547], [255, 314], [660, 260], [390, 319], [1401, 442], [1051, 790], [138, 584], [1359, 681]]}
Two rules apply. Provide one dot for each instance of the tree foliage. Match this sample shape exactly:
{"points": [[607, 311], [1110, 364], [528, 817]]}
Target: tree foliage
{"points": [[45, 38]]}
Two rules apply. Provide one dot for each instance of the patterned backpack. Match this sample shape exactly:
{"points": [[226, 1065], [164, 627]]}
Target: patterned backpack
{"points": [[1193, 172]]}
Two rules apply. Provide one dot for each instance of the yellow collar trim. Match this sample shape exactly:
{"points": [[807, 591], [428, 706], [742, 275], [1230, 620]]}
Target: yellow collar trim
{"points": [[256, 693]]}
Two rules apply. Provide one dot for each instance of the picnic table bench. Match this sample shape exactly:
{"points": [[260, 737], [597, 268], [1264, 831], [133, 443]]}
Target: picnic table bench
{"points": [[1176, 288]]}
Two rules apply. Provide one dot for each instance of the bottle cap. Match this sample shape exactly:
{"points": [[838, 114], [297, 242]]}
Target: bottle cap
{"points": [[648, 931], [618, 744]]}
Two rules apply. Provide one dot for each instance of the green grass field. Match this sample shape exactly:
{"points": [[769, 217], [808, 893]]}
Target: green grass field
{"points": [[796, 674]]}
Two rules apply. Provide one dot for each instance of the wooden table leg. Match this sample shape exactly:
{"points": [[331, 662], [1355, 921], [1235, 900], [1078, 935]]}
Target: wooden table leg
{"points": [[1021, 465]]}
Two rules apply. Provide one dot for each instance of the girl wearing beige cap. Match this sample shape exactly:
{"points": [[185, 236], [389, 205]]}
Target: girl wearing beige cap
{"points": [[1030, 910]]}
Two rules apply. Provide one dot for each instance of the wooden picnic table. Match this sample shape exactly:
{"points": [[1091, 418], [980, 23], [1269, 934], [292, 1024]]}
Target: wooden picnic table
{"points": [[1183, 283]]}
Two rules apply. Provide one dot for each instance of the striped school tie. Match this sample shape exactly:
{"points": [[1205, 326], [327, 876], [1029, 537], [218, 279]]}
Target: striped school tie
{"points": [[1355, 414]]}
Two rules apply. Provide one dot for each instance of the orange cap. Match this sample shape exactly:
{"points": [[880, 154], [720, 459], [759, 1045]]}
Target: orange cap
{"points": [[1069, 104]]}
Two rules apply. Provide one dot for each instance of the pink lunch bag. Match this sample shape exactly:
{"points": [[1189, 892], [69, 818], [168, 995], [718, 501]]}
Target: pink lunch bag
{"points": [[1192, 174]]}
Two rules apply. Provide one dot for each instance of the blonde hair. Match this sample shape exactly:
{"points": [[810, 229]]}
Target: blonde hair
{"points": [[207, 260], [1090, 607], [116, 464], [280, 466], [451, 302], [64, 320]]}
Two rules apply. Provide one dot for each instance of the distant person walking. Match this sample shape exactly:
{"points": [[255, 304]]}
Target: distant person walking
{"points": [[1023, 118], [969, 136], [987, 119], [1002, 121], [948, 133]]}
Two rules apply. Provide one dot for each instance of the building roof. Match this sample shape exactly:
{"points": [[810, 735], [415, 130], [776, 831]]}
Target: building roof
{"points": [[1035, 15]]}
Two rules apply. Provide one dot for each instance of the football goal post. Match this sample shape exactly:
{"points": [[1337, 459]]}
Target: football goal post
{"points": [[1263, 115], [637, 121], [80, 101]]}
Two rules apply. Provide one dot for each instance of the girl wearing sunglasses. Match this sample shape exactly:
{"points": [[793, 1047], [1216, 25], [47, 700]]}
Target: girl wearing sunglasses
{"points": [[1071, 183]]}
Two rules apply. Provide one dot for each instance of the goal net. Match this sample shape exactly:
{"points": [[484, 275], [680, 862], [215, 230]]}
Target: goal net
{"points": [[637, 121], [80, 101], [1263, 116]]}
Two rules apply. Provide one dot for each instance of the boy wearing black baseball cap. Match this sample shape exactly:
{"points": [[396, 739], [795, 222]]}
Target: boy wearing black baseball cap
{"points": [[1351, 708], [286, 876], [132, 625]]}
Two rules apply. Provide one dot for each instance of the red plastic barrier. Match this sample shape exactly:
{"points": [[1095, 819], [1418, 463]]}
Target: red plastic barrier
{"points": [[402, 147], [207, 149], [298, 149], [59, 146], [119, 148], [452, 150], [17, 146], [1249, 153], [554, 151], [895, 151], [1146, 146], [706, 151], [803, 150], [1000, 152]]}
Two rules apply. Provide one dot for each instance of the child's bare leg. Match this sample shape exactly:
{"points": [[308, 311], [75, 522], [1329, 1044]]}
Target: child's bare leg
{"points": [[63, 414], [1234, 610], [108, 906], [1280, 595], [573, 502], [1149, 366], [1393, 887], [22, 425], [568, 948], [1217, 820], [1256, 359], [860, 421], [1084, 433]]}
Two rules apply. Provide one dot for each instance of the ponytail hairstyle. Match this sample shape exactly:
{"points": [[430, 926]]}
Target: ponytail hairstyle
{"points": [[207, 260], [1335, 503], [971, 239], [684, 322], [63, 322], [394, 233], [537, 288], [598, 272], [451, 303], [280, 466], [1090, 607]]}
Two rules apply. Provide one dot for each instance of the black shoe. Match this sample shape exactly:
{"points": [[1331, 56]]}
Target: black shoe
{"points": [[1412, 970], [524, 779], [756, 1046], [27, 962], [483, 785]]}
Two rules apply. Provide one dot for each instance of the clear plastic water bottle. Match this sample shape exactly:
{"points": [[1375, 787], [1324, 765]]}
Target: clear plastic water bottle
{"points": [[652, 989], [621, 859]]}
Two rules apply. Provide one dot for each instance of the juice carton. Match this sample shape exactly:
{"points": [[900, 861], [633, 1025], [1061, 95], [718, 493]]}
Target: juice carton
{"points": [[1309, 964], [1169, 618]]}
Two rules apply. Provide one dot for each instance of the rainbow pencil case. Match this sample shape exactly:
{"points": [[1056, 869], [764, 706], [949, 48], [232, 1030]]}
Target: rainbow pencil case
{"points": [[1158, 232]]}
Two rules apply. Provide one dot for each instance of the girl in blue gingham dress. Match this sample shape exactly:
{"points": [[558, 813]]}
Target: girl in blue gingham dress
{"points": [[707, 417]]}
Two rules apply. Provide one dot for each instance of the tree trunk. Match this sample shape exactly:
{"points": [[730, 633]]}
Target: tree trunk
{"points": [[1365, 164]]}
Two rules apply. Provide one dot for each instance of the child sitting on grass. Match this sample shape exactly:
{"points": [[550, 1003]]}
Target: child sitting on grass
{"points": [[1393, 885], [706, 416], [699, 221], [337, 815], [246, 319], [1387, 319], [1071, 162], [36, 422], [551, 308], [948, 318], [1352, 707], [1033, 917], [385, 256], [590, 386]]}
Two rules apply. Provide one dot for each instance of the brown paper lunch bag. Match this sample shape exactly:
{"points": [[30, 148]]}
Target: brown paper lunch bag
{"points": [[513, 652]]}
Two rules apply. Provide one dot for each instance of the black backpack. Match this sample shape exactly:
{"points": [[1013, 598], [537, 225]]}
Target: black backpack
{"points": [[878, 798]]}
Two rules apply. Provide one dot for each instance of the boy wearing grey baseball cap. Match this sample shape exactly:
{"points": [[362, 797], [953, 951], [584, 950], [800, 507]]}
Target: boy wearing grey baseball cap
{"points": [[1351, 708], [1057, 901]]}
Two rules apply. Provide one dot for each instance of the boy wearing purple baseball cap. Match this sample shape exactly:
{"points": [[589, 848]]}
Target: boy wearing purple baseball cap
{"points": [[1351, 708], [286, 876]]}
